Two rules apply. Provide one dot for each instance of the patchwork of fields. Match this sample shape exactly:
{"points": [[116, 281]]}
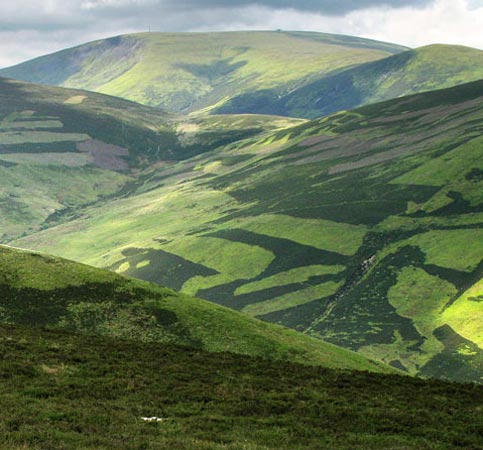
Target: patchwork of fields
{"points": [[363, 228], [61, 149]]}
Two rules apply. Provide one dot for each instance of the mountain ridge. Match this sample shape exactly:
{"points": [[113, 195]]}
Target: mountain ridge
{"points": [[183, 72], [289, 73], [423, 69]]}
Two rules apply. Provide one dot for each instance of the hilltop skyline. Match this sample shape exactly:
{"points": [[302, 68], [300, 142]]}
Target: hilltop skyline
{"points": [[31, 28]]}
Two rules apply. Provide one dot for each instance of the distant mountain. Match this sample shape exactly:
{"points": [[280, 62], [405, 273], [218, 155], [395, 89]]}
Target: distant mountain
{"points": [[43, 291], [62, 148], [294, 74], [420, 70], [363, 228], [183, 72]]}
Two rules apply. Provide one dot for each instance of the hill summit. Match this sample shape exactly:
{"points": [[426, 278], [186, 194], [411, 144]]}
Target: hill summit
{"points": [[184, 72]]}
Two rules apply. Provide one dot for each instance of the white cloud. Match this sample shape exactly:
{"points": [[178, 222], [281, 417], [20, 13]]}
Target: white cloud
{"points": [[446, 22]]}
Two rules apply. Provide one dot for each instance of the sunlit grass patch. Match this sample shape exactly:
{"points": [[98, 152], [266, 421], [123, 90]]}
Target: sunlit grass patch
{"points": [[465, 315], [454, 249], [337, 237], [297, 275], [452, 172], [293, 299], [422, 298], [23, 269], [405, 223], [233, 260]]}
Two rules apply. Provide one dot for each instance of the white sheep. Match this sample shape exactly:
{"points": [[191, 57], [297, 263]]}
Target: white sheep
{"points": [[152, 419]]}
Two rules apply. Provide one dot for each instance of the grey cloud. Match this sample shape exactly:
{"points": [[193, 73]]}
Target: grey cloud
{"points": [[329, 7], [189, 15], [76, 14], [42, 16], [30, 28]]}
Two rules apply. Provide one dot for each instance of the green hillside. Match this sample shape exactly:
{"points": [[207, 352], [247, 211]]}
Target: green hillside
{"points": [[62, 148], [295, 74], [42, 291], [65, 391], [409, 72], [363, 228], [183, 72]]}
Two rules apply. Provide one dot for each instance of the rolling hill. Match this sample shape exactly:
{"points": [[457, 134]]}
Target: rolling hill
{"points": [[410, 72], [363, 228], [62, 148], [43, 291], [183, 72], [293, 74], [242, 281]]}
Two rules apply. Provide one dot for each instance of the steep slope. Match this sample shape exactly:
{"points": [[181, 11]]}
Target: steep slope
{"points": [[354, 228], [409, 72], [61, 148], [39, 290], [191, 71], [60, 390]]}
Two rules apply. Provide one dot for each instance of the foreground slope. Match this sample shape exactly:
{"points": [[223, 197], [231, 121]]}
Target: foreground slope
{"points": [[191, 71], [60, 390], [364, 228], [410, 72], [62, 148], [42, 291]]}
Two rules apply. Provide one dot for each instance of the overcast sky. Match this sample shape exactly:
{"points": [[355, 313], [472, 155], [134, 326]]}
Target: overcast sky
{"points": [[30, 28]]}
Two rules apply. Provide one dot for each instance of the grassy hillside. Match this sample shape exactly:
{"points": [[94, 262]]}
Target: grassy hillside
{"points": [[39, 290], [363, 228], [62, 148], [293, 74], [183, 72], [409, 72], [60, 390]]}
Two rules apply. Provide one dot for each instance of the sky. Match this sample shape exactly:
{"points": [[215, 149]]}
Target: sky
{"points": [[30, 28]]}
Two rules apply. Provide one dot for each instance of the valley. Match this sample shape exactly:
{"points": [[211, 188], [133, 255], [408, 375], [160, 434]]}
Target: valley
{"points": [[282, 225], [242, 240], [61, 148]]}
